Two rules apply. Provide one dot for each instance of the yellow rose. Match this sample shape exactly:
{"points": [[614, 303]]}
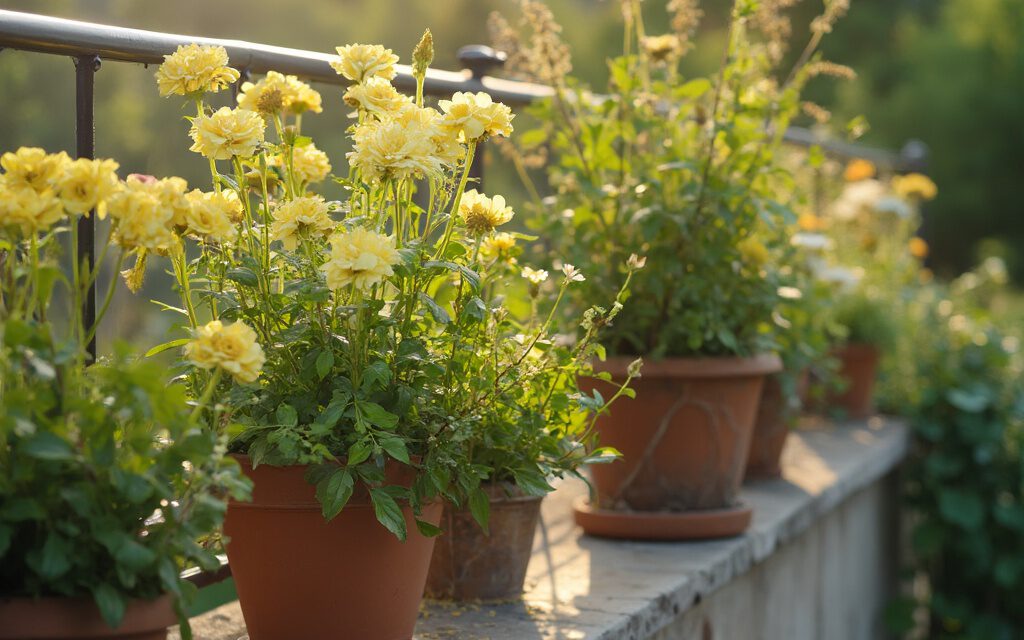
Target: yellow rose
{"points": [[278, 92], [810, 222], [232, 348], [915, 186], [227, 133], [918, 248], [33, 168], [446, 144], [498, 245], [360, 258], [482, 214], [173, 194], [211, 215], [662, 48], [376, 96], [390, 149], [859, 169], [474, 116], [28, 211], [535, 276], [195, 69], [310, 164], [88, 184], [142, 214], [359, 62], [299, 218], [753, 251]]}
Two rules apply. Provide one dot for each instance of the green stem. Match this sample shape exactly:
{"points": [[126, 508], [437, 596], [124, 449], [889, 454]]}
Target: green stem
{"points": [[207, 394], [106, 299], [470, 152]]}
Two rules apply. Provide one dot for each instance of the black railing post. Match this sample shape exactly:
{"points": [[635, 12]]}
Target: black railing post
{"points": [[86, 67], [479, 59]]}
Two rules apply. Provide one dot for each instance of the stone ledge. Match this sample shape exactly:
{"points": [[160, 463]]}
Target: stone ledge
{"points": [[581, 587]]}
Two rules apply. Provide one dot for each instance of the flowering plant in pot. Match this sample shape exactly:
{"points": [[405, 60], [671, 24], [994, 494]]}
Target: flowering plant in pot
{"points": [[685, 172], [108, 485], [331, 334]]}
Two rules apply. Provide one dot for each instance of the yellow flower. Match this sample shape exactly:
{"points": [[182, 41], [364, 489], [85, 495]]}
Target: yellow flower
{"points": [[390, 149], [535, 276], [278, 92], [212, 215], [359, 62], [916, 186], [360, 258], [375, 96], [447, 147], [918, 248], [474, 116], [226, 133], [232, 348], [195, 69], [28, 211], [753, 251], [482, 214], [662, 48], [310, 164], [143, 215], [298, 218], [88, 184], [810, 222], [498, 245], [859, 169], [173, 195], [33, 168]]}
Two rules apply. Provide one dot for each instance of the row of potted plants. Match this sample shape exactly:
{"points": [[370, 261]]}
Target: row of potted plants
{"points": [[374, 389]]}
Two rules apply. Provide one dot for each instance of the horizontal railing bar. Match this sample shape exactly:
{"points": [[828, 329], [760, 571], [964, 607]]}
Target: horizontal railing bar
{"points": [[45, 34]]}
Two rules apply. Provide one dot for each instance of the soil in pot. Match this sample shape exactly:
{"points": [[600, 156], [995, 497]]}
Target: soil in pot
{"points": [[858, 367], [72, 618], [469, 564], [299, 576], [685, 441], [775, 417]]}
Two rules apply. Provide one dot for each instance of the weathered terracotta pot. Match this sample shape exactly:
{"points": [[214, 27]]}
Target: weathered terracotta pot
{"points": [[684, 442], [469, 564], [60, 618], [858, 366], [299, 576], [775, 416]]}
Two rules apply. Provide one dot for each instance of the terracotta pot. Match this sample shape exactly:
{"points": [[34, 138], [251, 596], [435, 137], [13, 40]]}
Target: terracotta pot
{"points": [[59, 618], [775, 415], [858, 366], [299, 576], [684, 439], [469, 564]]}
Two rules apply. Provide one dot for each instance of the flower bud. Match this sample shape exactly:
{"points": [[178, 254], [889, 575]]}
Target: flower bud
{"points": [[423, 54]]}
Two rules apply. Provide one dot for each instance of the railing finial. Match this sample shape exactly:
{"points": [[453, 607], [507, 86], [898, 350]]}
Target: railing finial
{"points": [[480, 59]]}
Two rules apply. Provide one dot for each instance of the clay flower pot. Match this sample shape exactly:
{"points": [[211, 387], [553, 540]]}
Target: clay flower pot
{"points": [[775, 415], [858, 366], [469, 564], [299, 576], [684, 442], [59, 618]]}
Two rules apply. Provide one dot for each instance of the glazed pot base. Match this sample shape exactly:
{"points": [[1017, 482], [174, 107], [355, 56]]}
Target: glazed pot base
{"points": [[662, 525]]}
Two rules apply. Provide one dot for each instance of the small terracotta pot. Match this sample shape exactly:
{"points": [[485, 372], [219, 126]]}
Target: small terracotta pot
{"points": [[299, 576], [684, 439], [858, 366], [469, 564], [775, 415], [59, 618]]}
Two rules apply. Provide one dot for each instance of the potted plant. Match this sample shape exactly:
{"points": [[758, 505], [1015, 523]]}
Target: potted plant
{"points": [[346, 428], [108, 486], [683, 171]]}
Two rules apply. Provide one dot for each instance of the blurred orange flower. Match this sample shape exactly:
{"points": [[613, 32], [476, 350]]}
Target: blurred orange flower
{"points": [[859, 169]]}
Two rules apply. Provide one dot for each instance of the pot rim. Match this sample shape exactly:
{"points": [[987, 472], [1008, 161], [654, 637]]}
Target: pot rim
{"points": [[701, 367], [50, 616]]}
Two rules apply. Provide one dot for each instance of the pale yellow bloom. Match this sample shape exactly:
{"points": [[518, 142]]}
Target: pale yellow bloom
{"points": [[535, 276], [447, 147], [227, 133], [915, 185], [212, 215], [33, 168], [278, 92], [391, 149], [360, 258], [232, 348], [28, 211], [753, 251], [359, 62], [918, 248], [497, 245], [474, 116], [88, 184], [173, 194], [310, 164], [810, 222], [663, 48], [143, 216], [195, 69], [482, 214], [572, 274], [298, 218], [376, 96], [859, 169]]}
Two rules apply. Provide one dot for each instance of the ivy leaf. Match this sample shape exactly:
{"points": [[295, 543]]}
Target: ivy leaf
{"points": [[395, 447], [111, 603], [480, 507], [334, 492], [388, 513]]}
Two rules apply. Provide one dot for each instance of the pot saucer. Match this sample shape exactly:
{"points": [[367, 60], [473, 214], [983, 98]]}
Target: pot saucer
{"points": [[662, 525]]}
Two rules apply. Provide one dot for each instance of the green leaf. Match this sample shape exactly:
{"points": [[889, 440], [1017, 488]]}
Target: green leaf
{"points": [[287, 416], [480, 507], [54, 559], [532, 481], [439, 314], [334, 492], [47, 445], [428, 530], [968, 401], [377, 415], [962, 507], [395, 447], [111, 603], [693, 89], [6, 533], [388, 513], [359, 452], [324, 363], [134, 555], [376, 375], [243, 276], [160, 348]]}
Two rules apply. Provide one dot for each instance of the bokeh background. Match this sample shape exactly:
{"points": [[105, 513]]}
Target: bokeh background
{"points": [[947, 72]]}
